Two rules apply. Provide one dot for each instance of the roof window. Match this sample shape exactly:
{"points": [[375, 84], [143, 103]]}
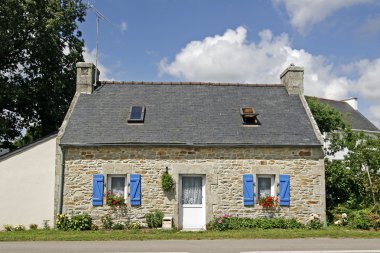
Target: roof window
{"points": [[137, 114], [249, 116]]}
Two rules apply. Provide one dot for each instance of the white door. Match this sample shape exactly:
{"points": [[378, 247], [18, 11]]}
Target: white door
{"points": [[192, 207]]}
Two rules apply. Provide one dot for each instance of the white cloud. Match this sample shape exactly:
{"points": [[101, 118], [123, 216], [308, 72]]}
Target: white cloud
{"points": [[374, 114], [368, 83], [231, 58], [304, 14], [123, 26], [371, 26], [90, 56]]}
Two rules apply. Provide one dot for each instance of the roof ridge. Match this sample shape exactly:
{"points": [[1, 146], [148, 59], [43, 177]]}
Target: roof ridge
{"points": [[188, 83], [328, 99]]}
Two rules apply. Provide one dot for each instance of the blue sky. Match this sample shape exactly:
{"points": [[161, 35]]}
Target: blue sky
{"points": [[336, 41]]}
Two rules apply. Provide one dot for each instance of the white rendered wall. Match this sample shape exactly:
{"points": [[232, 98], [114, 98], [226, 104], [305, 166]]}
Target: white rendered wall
{"points": [[27, 186]]}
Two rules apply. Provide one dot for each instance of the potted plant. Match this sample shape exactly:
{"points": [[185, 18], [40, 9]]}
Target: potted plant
{"points": [[115, 200], [269, 202], [167, 181]]}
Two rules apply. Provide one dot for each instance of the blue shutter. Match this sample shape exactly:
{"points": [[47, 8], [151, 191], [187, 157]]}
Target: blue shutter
{"points": [[135, 187], [97, 190], [248, 190], [284, 190]]}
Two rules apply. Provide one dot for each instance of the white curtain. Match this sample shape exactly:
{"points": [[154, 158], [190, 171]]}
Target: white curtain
{"points": [[264, 185], [191, 190], [117, 185]]}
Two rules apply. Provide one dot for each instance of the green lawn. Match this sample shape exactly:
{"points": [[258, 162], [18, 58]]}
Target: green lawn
{"points": [[101, 235]]}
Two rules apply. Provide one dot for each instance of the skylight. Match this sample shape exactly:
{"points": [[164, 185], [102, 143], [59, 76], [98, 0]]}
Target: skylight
{"points": [[137, 114], [249, 116]]}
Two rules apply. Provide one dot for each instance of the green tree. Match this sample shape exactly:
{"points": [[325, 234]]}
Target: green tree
{"points": [[354, 181], [328, 119], [363, 159], [40, 45], [342, 186]]}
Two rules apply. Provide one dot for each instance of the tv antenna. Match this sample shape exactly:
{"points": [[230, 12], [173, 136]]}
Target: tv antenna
{"points": [[99, 16]]}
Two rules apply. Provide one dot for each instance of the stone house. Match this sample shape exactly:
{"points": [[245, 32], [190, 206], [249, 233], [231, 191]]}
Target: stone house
{"points": [[225, 145]]}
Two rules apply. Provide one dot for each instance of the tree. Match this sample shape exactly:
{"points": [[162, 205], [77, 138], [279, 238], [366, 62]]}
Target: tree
{"points": [[342, 186], [40, 45], [328, 119], [363, 159], [354, 181]]}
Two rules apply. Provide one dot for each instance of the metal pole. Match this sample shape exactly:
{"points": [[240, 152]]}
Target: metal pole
{"points": [[97, 48], [370, 184]]}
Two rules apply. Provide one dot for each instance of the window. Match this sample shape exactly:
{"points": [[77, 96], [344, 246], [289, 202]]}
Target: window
{"points": [[191, 190], [249, 116], [137, 114], [117, 184], [265, 186]]}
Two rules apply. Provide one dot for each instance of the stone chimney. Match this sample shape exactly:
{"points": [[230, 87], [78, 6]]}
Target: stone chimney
{"points": [[353, 102], [292, 78], [86, 77]]}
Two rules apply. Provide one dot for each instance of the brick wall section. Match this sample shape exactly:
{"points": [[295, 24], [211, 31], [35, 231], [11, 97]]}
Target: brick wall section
{"points": [[223, 167]]}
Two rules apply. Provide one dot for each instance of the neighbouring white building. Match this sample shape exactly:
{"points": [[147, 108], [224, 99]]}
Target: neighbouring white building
{"points": [[351, 114], [27, 184]]}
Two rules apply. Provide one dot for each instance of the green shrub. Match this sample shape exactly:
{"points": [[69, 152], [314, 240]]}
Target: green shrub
{"points": [[167, 181], [360, 220], [81, 222], [314, 224], [227, 222], [134, 226], [33, 226], [154, 218], [8, 227], [46, 224], [118, 226], [62, 222], [106, 221], [374, 217], [19, 228]]}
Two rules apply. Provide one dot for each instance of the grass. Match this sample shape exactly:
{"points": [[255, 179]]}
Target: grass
{"points": [[145, 234]]}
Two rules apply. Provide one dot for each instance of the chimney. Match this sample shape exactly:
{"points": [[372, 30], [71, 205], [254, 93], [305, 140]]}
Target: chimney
{"points": [[292, 78], [353, 102], [86, 77]]}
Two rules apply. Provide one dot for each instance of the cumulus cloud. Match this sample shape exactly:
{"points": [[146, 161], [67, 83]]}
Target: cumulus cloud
{"points": [[304, 14], [231, 58], [123, 26], [90, 56]]}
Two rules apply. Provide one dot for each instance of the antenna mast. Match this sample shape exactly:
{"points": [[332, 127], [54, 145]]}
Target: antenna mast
{"points": [[98, 17]]}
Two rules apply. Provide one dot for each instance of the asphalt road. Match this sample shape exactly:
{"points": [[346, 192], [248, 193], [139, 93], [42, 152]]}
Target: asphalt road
{"points": [[201, 246]]}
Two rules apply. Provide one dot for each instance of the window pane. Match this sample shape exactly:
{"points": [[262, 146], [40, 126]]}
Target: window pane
{"points": [[264, 186], [136, 112], [191, 190], [117, 185]]}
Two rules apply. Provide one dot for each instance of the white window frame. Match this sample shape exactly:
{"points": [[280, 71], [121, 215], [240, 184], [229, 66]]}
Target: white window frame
{"points": [[109, 183], [272, 182]]}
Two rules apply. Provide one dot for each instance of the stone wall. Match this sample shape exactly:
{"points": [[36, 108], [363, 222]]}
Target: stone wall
{"points": [[223, 168]]}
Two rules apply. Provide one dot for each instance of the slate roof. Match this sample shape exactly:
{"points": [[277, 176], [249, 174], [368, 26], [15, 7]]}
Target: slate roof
{"points": [[194, 114], [352, 116]]}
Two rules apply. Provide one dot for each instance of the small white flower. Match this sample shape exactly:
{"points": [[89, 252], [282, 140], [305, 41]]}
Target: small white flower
{"points": [[344, 215]]}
